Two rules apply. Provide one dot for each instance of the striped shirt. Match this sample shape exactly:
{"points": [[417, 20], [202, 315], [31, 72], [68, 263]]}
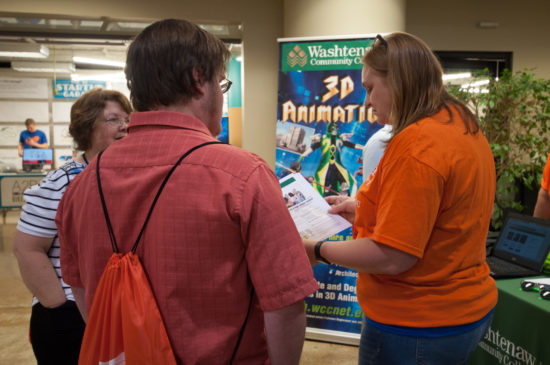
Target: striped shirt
{"points": [[37, 217]]}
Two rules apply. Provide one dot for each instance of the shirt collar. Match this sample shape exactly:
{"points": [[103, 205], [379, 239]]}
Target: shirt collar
{"points": [[167, 118]]}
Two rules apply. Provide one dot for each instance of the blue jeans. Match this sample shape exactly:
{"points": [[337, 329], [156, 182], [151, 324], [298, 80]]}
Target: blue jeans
{"points": [[378, 347]]}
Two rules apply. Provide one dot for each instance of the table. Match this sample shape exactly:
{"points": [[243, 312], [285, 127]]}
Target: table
{"points": [[12, 186], [520, 328]]}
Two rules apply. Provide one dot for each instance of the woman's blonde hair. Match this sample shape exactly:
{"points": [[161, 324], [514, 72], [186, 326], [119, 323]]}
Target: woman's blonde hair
{"points": [[414, 77]]}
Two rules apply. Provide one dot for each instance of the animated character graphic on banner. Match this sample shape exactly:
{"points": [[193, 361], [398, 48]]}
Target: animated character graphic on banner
{"points": [[331, 177], [294, 167]]}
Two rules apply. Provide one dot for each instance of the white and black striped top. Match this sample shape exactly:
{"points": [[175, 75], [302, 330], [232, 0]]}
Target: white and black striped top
{"points": [[38, 215]]}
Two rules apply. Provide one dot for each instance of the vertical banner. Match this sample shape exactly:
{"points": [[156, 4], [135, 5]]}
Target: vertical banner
{"points": [[322, 127], [234, 101]]}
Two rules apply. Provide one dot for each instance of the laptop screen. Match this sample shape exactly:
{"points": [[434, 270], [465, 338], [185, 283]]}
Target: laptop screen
{"points": [[524, 240], [37, 155]]}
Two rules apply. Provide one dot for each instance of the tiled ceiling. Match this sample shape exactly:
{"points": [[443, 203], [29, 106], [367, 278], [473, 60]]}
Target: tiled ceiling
{"points": [[105, 38]]}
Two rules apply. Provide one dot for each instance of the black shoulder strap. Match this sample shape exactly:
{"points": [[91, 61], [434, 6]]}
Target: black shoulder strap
{"points": [[243, 327], [134, 248], [108, 221]]}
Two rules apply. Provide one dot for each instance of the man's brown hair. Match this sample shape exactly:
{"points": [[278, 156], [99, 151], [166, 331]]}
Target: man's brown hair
{"points": [[161, 60]]}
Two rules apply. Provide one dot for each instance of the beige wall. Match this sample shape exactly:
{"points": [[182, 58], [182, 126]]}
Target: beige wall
{"points": [[524, 28], [307, 18]]}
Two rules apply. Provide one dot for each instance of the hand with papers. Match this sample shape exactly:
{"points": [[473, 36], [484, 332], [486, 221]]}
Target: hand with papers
{"points": [[309, 210], [344, 206]]}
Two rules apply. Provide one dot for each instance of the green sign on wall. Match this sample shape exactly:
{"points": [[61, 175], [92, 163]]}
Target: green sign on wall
{"points": [[317, 56]]}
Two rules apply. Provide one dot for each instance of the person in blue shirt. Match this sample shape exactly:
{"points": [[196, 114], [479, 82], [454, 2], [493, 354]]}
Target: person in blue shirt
{"points": [[31, 137]]}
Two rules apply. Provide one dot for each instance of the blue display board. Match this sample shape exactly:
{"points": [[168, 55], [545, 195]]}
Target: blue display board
{"points": [[69, 89], [224, 134]]}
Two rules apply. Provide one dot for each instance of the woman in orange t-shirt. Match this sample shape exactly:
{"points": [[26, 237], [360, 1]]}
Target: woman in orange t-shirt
{"points": [[421, 219]]}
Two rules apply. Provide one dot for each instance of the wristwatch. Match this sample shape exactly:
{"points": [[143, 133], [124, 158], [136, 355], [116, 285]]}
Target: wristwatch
{"points": [[318, 256]]}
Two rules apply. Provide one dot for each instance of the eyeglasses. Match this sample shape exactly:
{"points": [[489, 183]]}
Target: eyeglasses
{"points": [[225, 84], [118, 121], [379, 37]]}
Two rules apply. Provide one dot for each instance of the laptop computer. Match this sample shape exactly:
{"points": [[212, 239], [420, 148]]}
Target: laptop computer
{"points": [[521, 248], [34, 159]]}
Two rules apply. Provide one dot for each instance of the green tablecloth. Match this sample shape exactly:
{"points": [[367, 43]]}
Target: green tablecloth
{"points": [[520, 332]]}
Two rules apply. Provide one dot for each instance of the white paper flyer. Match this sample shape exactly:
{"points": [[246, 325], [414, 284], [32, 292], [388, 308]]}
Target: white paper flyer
{"points": [[309, 210]]}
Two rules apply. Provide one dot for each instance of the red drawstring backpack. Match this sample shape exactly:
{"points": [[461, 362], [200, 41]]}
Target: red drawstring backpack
{"points": [[125, 325]]}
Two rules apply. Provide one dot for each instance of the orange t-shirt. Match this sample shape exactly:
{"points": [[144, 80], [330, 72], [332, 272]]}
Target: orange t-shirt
{"points": [[545, 182], [431, 196]]}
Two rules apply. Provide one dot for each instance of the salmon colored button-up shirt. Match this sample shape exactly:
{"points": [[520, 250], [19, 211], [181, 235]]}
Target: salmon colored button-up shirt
{"points": [[219, 228]]}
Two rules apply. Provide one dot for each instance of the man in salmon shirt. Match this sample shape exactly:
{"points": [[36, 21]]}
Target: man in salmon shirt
{"points": [[221, 252], [421, 218]]}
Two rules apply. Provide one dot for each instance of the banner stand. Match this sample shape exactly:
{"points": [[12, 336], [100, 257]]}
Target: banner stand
{"points": [[322, 128], [344, 338]]}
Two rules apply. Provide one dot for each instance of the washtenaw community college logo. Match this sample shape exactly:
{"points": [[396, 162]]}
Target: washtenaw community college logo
{"points": [[296, 56]]}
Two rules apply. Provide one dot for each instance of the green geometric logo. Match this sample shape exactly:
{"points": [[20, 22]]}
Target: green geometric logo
{"points": [[296, 56]]}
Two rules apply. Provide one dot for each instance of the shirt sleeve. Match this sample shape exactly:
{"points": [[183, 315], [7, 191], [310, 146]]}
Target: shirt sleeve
{"points": [[37, 216], [545, 182], [372, 154], [68, 256], [409, 200], [43, 138], [278, 265]]}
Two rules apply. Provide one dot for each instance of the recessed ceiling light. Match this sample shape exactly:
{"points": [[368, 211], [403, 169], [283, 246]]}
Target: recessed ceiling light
{"points": [[29, 66], [96, 61], [26, 50], [113, 76], [461, 75]]}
